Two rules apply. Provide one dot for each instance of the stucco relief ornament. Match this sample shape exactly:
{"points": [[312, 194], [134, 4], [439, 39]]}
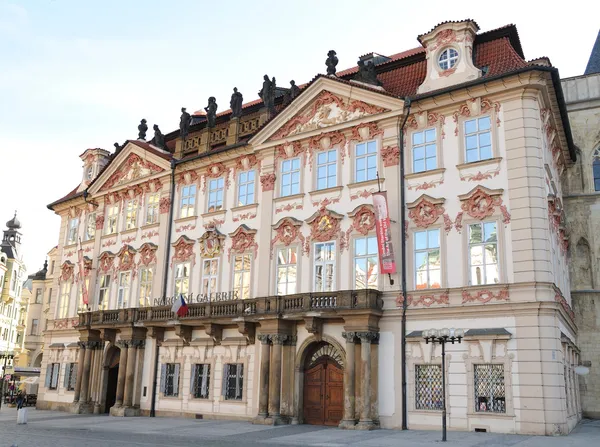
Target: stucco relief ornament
{"points": [[245, 163], [425, 211], [126, 259], [363, 221], [288, 150], [267, 181], [243, 239], [211, 244], [327, 141], [480, 204], [147, 254], [187, 178], [365, 131], [324, 225], [132, 169], [390, 156], [66, 272], [100, 222], [485, 296], [105, 263], [184, 250], [164, 205], [214, 171], [287, 231]]}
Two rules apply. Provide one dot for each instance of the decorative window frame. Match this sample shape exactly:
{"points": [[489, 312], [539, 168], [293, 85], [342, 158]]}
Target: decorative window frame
{"points": [[472, 109], [484, 350], [385, 156], [206, 192], [245, 360], [279, 179], [243, 241], [211, 388], [595, 156], [287, 230], [411, 268], [420, 122], [450, 70], [237, 187], [351, 250], [501, 244], [336, 269], [299, 252]]}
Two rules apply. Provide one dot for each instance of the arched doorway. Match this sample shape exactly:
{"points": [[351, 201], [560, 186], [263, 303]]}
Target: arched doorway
{"points": [[323, 402], [37, 363], [112, 364]]}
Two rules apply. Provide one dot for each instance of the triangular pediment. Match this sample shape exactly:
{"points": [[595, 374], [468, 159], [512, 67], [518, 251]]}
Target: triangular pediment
{"points": [[326, 103], [131, 165]]}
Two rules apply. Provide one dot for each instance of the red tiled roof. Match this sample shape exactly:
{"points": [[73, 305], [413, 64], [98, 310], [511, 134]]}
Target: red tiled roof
{"points": [[150, 148], [393, 58], [69, 196]]}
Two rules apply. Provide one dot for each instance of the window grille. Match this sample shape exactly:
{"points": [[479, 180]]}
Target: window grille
{"points": [[490, 396], [70, 376], [233, 381], [428, 384], [170, 380], [200, 380]]}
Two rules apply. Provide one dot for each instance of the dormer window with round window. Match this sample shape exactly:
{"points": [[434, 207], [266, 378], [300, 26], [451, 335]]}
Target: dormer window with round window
{"points": [[89, 173], [448, 59]]}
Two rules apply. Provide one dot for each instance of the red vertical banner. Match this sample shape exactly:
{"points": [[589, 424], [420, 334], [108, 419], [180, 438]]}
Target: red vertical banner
{"points": [[84, 291], [387, 259]]}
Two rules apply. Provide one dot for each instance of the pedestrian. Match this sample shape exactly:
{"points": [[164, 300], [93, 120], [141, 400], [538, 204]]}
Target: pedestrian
{"points": [[20, 400]]}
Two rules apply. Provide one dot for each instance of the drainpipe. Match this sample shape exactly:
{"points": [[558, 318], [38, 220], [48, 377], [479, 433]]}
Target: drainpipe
{"points": [[400, 132], [164, 285]]}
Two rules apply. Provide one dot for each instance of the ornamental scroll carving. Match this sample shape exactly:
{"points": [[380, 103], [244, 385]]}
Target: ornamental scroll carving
{"points": [[214, 171], [390, 156], [132, 169], [365, 131], [425, 300], [484, 296], [100, 222], [425, 211], [184, 250], [427, 119], [324, 225], [476, 107], [126, 257], [481, 203], [187, 178], [67, 272], [147, 254], [243, 239], [106, 262], [326, 141], [245, 163], [267, 181], [363, 221], [288, 150], [287, 230], [164, 205], [211, 244]]}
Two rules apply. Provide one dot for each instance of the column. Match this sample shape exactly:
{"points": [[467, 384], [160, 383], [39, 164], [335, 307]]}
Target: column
{"points": [[122, 370], [137, 394], [349, 419], [275, 376], [79, 372], [87, 366], [265, 360], [365, 421], [130, 373]]}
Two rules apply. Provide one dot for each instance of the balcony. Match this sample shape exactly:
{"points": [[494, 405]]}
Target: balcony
{"points": [[328, 304]]}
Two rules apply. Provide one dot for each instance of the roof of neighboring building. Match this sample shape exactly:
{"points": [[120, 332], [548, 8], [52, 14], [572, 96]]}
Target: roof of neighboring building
{"points": [[593, 65]]}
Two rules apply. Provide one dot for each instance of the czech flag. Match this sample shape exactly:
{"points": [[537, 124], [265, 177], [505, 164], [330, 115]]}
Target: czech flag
{"points": [[180, 307]]}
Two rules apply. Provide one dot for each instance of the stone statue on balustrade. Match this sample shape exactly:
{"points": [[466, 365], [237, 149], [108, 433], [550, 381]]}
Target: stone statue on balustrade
{"points": [[211, 112]]}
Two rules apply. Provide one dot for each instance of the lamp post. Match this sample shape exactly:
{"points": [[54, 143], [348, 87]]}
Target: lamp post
{"points": [[443, 336]]}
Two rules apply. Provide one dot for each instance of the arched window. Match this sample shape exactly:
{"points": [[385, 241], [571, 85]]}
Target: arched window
{"points": [[596, 169]]}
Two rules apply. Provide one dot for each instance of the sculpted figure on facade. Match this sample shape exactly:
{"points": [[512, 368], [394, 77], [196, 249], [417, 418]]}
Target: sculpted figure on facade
{"points": [[331, 62], [211, 112], [142, 128], [159, 139], [184, 123], [366, 73], [267, 93], [237, 99]]}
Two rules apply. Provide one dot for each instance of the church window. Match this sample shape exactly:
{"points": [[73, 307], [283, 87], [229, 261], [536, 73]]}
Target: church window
{"points": [[596, 169]]}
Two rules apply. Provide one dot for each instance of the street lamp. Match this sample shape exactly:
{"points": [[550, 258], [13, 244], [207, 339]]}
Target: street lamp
{"points": [[443, 336]]}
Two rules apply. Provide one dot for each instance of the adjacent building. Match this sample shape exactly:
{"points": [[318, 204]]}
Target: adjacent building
{"points": [[266, 222], [582, 208]]}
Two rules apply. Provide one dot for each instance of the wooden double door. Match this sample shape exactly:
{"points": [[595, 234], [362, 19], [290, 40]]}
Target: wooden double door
{"points": [[323, 394]]}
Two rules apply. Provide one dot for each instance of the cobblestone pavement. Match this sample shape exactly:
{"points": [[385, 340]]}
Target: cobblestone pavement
{"points": [[56, 429]]}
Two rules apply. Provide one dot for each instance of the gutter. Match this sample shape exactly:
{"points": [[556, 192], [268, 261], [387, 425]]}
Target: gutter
{"points": [[164, 285]]}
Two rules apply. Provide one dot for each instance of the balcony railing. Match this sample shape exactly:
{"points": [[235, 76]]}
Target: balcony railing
{"points": [[272, 305]]}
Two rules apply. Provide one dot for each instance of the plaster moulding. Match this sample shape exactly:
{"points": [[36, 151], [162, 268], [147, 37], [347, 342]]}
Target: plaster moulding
{"points": [[243, 239], [481, 170], [147, 254], [424, 119], [326, 141], [214, 171], [481, 203], [425, 211], [289, 150], [183, 250], [363, 222], [132, 169], [212, 243], [287, 230], [324, 225], [475, 107]]}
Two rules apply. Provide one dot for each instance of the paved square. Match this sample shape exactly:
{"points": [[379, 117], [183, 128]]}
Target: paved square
{"points": [[56, 429]]}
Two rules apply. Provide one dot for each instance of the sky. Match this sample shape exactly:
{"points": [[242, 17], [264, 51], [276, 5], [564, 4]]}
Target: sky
{"points": [[78, 74]]}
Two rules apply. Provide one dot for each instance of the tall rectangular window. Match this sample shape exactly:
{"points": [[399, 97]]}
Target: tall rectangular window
{"points": [[215, 194], [182, 279], [72, 232], [90, 227], [52, 373], [290, 177], [188, 201], [103, 291], [365, 167], [130, 214], [35, 326], [152, 201], [242, 265], [210, 276], [38, 296], [424, 150], [146, 275], [428, 387], [483, 254], [287, 269], [124, 290], [427, 259], [327, 169], [65, 295], [112, 217], [246, 188], [324, 265], [490, 394], [366, 263], [169, 383], [478, 139], [70, 376], [233, 381], [200, 383]]}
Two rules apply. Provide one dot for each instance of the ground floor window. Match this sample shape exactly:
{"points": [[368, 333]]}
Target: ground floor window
{"points": [[169, 384], [200, 382], [52, 372], [490, 396], [233, 381], [428, 387], [70, 376]]}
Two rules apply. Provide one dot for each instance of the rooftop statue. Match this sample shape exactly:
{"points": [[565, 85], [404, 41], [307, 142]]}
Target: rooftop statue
{"points": [[366, 73], [211, 112], [184, 123], [143, 128], [331, 62], [236, 103], [292, 92], [267, 93], [159, 138]]}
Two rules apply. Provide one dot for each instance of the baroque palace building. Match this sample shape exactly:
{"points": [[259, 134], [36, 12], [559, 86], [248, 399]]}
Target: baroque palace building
{"points": [[264, 219]]}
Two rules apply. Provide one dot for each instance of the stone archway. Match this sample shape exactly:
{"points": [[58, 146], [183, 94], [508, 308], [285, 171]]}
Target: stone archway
{"points": [[110, 373], [37, 362], [319, 382]]}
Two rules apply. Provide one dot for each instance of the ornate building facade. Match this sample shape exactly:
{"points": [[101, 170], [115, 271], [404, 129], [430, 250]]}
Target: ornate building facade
{"points": [[265, 221]]}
